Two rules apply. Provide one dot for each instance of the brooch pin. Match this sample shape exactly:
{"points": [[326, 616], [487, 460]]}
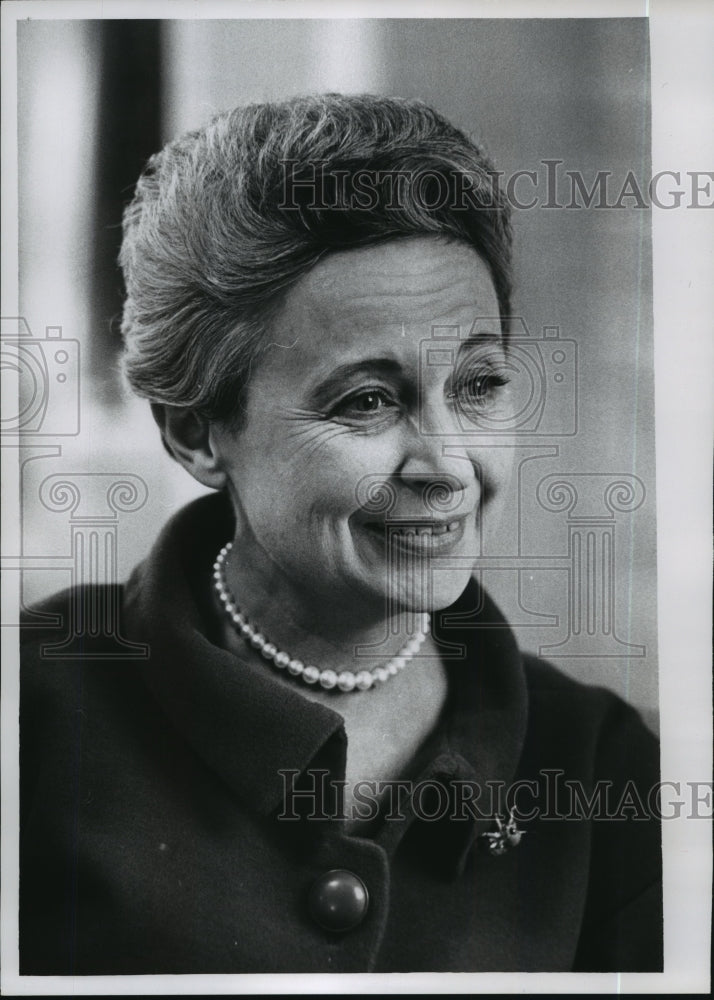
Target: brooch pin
{"points": [[507, 835]]}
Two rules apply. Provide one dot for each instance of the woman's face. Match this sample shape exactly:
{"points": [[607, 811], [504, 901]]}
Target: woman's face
{"points": [[363, 473]]}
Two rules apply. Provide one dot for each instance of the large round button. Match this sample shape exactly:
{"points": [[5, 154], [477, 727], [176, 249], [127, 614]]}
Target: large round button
{"points": [[338, 900]]}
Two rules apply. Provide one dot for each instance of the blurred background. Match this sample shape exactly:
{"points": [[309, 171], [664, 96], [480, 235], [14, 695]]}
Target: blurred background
{"points": [[96, 98]]}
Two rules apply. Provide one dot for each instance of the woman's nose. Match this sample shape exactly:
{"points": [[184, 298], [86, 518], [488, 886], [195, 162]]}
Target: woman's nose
{"points": [[436, 454]]}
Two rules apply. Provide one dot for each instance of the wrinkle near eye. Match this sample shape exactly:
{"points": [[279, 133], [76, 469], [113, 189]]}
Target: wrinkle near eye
{"points": [[296, 414], [311, 433]]}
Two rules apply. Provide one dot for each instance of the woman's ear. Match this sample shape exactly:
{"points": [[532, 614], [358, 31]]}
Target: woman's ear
{"points": [[186, 436]]}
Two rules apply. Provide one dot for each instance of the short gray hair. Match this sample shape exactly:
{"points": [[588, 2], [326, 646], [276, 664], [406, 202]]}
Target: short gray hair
{"points": [[227, 218]]}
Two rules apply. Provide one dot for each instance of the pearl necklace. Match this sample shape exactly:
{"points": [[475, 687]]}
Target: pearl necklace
{"points": [[344, 680]]}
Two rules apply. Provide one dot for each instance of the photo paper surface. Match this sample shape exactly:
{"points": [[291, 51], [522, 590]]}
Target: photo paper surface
{"points": [[559, 409]]}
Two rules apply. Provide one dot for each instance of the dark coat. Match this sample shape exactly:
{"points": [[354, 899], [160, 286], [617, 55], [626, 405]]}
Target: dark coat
{"points": [[152, 839]]}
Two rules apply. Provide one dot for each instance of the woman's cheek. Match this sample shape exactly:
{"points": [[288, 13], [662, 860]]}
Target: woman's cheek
{"points": [[373, 454]]}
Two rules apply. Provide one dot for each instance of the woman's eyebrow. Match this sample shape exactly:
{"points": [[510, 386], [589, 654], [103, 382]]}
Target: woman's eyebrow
{"points": [[345, 373], [482, 337]]}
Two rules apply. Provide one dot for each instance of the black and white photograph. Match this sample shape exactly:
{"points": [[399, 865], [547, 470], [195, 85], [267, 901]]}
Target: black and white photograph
{"points": [[356, 550]]}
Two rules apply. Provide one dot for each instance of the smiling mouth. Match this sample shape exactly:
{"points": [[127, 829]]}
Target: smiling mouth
{"points": [[418, 533]]}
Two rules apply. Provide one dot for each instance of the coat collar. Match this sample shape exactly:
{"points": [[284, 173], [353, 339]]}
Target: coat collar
{"points": [[247, 727]]}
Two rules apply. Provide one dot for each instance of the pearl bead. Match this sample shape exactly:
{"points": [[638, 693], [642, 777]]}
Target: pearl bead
{"points": [[295, 667], [328, 679], [363, 680], [246, 630], [257, 640], [380, 674], [311, 675], [392, 668], [346, 681], [281, 660], [269, 650]]}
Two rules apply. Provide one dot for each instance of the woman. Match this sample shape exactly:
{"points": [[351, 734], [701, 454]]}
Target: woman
{"points": [[327, 761]]}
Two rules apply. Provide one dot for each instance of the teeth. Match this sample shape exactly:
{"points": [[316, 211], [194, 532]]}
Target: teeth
{"points": [[426, 529], [415, 530]]}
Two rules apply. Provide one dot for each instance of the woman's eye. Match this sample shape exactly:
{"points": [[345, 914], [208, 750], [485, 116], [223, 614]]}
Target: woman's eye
{"points": [[478, 389], [368, 402], [364, 404]]}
